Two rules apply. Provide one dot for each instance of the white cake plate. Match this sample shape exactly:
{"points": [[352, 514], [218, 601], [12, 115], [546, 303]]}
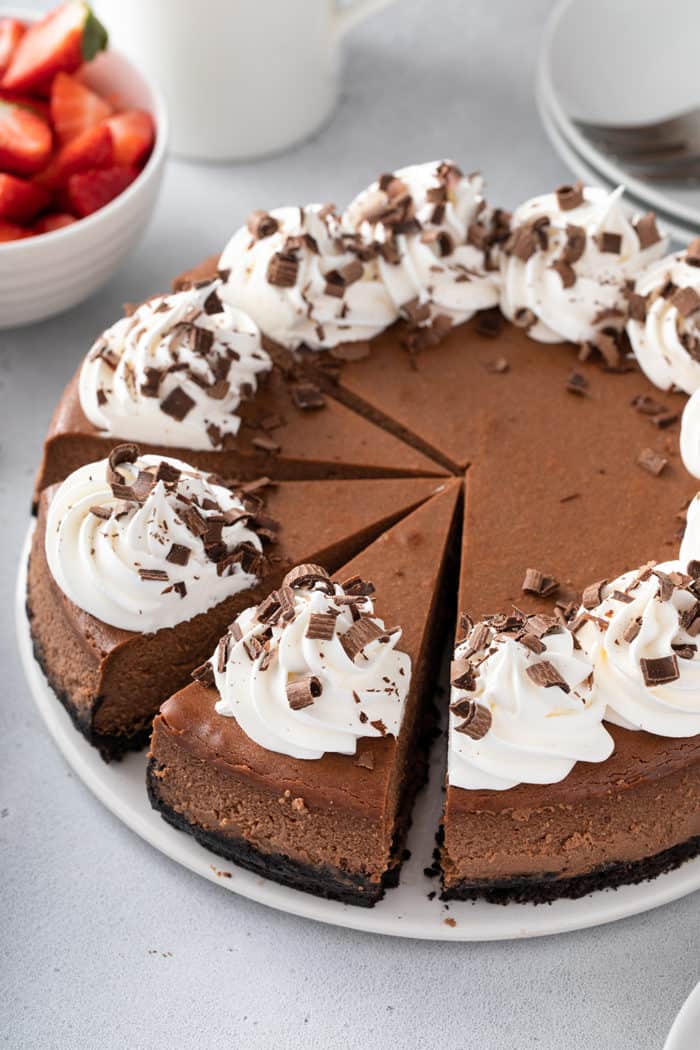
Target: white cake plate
{"points": [[405, 911]]}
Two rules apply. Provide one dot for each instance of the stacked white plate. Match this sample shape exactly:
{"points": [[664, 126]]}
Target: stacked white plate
{"points": [[620, 62]]}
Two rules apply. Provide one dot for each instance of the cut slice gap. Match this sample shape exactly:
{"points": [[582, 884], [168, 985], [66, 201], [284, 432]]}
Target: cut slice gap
{"points": [[112, 681], [540, 842], [333, 826], [324, 443]]}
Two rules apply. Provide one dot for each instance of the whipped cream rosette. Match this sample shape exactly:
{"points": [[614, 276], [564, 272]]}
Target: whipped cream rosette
{"points": [[175, 372], [522, 709], [437, 241], [303, 280], [567, 264], [641, 634], [312, 669], [664, 324], [145, 542]]}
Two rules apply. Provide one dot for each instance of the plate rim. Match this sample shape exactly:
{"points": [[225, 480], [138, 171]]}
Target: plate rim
{"points": [[689, 1013], [473, 921], [617, 175], [582, 167]]}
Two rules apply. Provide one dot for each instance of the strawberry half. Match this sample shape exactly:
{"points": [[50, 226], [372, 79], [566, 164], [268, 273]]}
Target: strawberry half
{"points": [[19, 200], [74, 107], [90, 190], [55, 220], [61, 42], [11, 32], [25, 140], [92, 149], [133, 133], [10, 231]]}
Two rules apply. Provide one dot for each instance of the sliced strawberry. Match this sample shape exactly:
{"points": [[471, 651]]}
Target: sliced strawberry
{"points": [[25, 140], [37, 105], [54, 220], [61, 42], [92, 149], [19, 200], [10, 231], [133, 133], [74, 107], [11, 32], [91, 190]]}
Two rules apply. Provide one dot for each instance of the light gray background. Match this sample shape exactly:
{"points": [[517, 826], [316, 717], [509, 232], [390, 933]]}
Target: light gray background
{"points": [[105, 943]]}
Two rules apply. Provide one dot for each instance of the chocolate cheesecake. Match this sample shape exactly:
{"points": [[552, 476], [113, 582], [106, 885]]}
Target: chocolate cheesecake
{"points": [[540, 355], [120, 620], [187, 376], [316, 797]]}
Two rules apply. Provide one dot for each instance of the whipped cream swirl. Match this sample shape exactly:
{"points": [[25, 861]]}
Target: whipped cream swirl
{"points": [[437, 240], [521, 706], [567, 262], [312, 669], [175, 372], [303, 280], [665, 327], [642, 638], [144, 542]]}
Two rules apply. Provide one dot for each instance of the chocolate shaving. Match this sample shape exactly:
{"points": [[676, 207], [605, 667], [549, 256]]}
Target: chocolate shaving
{"points": [[321, 627], [659, 670], [365, 760], [307, 396], [686, 301], [570, 197], [545, 674], [565, 271], [477, 720], [609, 242], [303, 692], [307, 576], [489, 323], [282, 270], [462, 674], [212, 304], [647, 230], [593, 594], [154, 574], [361, 634], [575, 243], [637, 307], [536, 582], [178, 554], [261, 224], [167, 473], [177, 404], [357, 350], [577, 384], [498, 366], [126, 453], [651, 461], [204, 674], [632, 630]]}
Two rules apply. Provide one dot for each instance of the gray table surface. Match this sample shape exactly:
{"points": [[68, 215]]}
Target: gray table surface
{"points": [[106, 943]]}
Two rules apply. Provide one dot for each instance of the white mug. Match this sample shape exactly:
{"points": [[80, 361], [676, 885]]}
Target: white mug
{"points": [[242, 78]]}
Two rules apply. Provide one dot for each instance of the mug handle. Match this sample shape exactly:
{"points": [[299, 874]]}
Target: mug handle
{"points": [[351, 14]]}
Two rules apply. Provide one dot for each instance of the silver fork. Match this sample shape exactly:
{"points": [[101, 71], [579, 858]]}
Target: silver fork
{"points": [[665, 150]]}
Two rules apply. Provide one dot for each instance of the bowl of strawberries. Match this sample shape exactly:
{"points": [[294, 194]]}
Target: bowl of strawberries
{"points": [[82, 149]]}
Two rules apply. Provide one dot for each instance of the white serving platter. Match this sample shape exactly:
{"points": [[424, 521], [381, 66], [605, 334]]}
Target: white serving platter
{"points": [[405, 911]]}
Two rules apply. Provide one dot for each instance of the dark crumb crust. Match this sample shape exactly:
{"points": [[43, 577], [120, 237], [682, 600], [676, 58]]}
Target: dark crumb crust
{"points": [[111, 747], [544, 889], [326, 881], [323, 880]]}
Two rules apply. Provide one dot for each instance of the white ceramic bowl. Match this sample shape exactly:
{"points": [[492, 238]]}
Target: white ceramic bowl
{"points": [[41, 276]]}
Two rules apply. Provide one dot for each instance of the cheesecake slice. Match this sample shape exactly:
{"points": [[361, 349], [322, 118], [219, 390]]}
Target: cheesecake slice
{"points": [[317, 814], [289, 431], [623, 812], [139, 620]]}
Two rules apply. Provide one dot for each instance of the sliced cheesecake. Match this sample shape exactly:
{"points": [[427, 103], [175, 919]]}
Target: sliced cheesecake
{"points": [[110, 672], [329, 823]]}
